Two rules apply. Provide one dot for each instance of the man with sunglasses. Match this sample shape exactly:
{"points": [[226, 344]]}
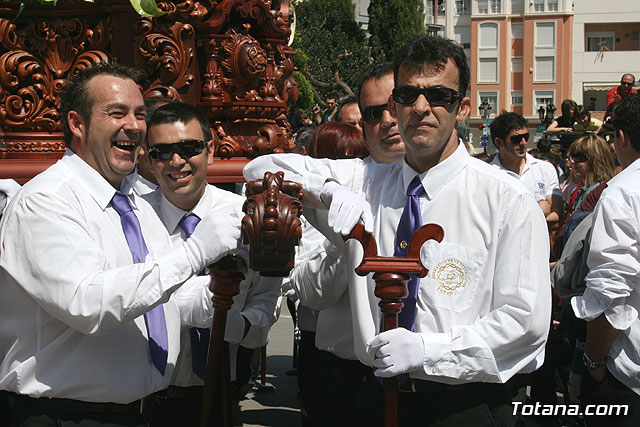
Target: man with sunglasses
{"points": [[379, 127], [88, 331], [180, 147], [510, 135], [480, 316], [626, 89]]}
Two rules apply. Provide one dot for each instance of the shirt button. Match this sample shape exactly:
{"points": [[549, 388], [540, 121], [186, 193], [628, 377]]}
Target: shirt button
{"points": [[403, 244], [434, 370]]}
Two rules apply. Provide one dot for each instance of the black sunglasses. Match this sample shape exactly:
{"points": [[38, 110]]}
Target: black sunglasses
{"points": [[515, 139], [436, 95], [373, 113], [578, 158], [184, 149], [628, 83]]}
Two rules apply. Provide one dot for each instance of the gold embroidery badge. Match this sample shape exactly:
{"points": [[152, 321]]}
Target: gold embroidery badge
{"points": [[451, 276]]}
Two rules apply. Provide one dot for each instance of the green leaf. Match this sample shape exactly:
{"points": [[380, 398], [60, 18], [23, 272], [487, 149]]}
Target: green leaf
{"points": [[147, 8]]}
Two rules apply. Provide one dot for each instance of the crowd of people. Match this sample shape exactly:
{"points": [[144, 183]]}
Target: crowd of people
{"points": [[105, 301]]}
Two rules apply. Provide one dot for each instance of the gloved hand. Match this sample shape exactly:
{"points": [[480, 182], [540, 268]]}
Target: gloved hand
{"points": [[9, 187], [396, 352], [216, 235], [346, 208]]}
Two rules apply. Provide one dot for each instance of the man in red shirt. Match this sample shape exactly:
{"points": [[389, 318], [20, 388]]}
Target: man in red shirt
{"points": [[625, 89]]}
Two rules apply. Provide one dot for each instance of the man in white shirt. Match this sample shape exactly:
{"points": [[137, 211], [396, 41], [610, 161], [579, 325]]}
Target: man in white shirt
{"points": [[509, 133], [180, 149], [87, 330], [320, 275], [611, 302], [480, 315]]}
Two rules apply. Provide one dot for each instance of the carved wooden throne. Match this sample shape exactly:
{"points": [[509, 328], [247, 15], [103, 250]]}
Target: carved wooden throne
{"points": [[228, 57]]}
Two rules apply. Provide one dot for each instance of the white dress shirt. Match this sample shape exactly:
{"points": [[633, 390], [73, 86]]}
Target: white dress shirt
{"points": [[484, 308], [613, 281], [258, 300], [139, 183], [71, 299], [538, 176]]}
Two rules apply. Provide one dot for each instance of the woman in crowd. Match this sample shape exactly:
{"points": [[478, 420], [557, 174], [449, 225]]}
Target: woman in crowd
{"points": [[564, 123], [337, 140]]}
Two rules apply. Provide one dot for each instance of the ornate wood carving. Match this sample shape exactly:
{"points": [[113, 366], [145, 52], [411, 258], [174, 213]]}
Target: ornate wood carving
{"points": [[229, 57], [390, 276], [272, 226]]}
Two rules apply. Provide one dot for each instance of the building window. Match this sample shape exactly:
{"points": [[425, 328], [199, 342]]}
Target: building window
{"points": [[538, 5], [489, 6], [488, 70], [541, 98], [545, 34], [517, 7], [492, 99], [516, 64], [552, 5], [601, 40], [462, 7], [516, 98], [517, 30], [544, 68], [489, 35]]}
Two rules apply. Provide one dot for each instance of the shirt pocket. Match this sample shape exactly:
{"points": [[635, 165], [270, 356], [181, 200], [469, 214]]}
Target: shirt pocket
{"points": [[455, 273]]}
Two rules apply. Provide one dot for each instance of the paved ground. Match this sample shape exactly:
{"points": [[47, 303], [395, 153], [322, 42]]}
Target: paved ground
{"points": [[279, 407]]}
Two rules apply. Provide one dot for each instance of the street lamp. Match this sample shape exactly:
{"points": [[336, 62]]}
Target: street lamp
{"points": [[485, 109], [546, 114]]}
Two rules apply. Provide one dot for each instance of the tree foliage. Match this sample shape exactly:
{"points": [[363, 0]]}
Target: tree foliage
{"points": [[326, 32], [392, 23], [305, 94]]}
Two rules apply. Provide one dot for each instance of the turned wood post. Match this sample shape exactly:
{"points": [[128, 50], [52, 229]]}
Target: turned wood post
{"points": [[391, 274], [272, 229]]}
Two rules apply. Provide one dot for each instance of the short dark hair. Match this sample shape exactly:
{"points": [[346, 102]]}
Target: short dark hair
{"points": [[180, 112], [375, 71], [74, 96], [347, 101], [581, 111], [434, 51], [504, 123], [627, 119]]}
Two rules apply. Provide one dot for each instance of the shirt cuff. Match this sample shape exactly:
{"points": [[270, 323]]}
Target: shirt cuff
{"points": [[438, 359], [590, 306]]}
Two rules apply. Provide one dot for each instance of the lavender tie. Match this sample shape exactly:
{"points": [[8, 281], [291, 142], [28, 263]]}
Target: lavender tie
{"points": [[199, 336], [410, 221], [154, 318]]}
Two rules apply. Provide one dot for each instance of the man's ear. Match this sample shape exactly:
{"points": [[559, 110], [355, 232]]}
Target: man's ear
{"points": [[464, 109], [76, 123], [499, 142], [210, 149]]}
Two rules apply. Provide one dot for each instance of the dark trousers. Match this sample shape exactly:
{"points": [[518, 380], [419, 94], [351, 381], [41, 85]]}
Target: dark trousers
{"points": [[340, 382], [44, 412], [433, 404], [609, 391], [309, 378]]}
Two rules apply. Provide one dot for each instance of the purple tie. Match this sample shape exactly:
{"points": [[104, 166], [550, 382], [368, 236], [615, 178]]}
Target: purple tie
{"points": [[410, 221], [154, 318], [199, 336]]}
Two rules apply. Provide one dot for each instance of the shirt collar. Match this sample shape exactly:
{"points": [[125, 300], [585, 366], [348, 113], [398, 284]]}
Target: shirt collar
{"points": [[171, 215], [94, 183], [629, 169], [438, 176]]}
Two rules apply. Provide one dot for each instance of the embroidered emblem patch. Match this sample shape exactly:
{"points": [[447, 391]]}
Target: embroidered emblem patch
{"points": [[540, 185], [451, 276]]}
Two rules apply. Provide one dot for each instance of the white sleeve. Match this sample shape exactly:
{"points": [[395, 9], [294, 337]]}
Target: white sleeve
{"points": [[614, 265], [261, 308], [509, 338], [51, 253]]}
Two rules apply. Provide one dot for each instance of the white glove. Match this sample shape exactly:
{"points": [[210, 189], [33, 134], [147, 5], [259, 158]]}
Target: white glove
{"points": [[346, 208], [216, 235], [396, 352], [234, 330]]}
